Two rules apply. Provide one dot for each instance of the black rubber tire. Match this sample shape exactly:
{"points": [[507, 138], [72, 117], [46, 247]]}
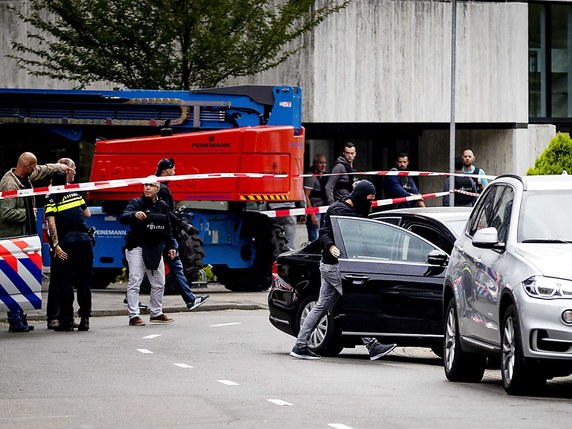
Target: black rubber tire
{"points": [[326, 340], [269, 241], [520, 376], [191, 253], [191, 250], [458, 364]]}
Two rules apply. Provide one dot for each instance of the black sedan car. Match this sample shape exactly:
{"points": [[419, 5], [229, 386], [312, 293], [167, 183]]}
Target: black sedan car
{"points": [[392, 280], [440, 225]]}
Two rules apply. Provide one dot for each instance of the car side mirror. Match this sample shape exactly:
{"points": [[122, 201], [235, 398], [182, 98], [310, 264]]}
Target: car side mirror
{"points": [[487, 238], [437, 257]]}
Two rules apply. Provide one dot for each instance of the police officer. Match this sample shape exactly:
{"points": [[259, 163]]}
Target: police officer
{"points": [[72, 254]]}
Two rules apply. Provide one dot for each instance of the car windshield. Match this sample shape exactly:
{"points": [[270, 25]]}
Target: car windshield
{"points": [[545, 217]]}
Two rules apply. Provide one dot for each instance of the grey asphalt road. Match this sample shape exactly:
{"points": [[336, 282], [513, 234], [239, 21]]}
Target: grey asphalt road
{"points": [[109, 301], [214, 369]]}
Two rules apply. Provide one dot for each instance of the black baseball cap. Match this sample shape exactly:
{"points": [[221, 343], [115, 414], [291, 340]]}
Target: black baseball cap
{"points": [[164, 164]]}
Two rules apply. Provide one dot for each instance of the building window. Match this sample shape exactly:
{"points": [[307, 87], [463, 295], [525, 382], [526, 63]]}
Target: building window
{"points": [[550, 61], [537, 61], [560, 76]]}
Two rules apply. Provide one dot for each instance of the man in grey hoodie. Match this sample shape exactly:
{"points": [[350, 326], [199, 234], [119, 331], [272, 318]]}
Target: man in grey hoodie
{"points": [[341, 185]]}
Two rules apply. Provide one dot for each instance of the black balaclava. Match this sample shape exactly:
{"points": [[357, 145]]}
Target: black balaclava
{"points": [[359, 197]]}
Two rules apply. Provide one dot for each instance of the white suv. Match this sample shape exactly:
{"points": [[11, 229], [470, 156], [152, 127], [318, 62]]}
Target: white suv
{"points": [[508, 286]]}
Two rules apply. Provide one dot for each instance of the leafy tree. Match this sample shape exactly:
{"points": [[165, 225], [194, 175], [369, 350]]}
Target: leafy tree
{"points": [[556, 158], [165, 44]]}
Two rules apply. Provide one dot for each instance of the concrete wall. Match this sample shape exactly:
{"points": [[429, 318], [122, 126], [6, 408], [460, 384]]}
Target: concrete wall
{"points": [[382, 61], [13, 29], [389, 61], [496, 151]]}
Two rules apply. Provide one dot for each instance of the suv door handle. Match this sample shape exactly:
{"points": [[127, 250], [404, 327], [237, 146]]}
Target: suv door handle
{"points": [[31, 249], [357, 279]]}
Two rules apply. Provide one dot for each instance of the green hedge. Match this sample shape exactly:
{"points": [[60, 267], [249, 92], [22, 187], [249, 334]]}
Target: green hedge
{"points": [[557, 157]]}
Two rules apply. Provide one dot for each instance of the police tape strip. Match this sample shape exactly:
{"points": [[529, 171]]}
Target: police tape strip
{"points": [[471, 194], [399, 173], [120, 183], [377, 203]]}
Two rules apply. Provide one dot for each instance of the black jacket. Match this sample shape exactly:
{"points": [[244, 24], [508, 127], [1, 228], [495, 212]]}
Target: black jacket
{"points": [[165, 195], [326, 237], [151, 233]]}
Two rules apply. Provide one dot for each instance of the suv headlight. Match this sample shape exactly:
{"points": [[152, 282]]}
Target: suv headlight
{"points": [[548, 287]]}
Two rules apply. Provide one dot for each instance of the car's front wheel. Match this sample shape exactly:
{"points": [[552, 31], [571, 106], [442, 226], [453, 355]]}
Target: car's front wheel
{"points": [[459, 365], [519, 374], [326, 339]]}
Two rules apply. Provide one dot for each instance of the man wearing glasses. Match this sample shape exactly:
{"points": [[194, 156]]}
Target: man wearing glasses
{"points": [[150, 230], [340, 184]]}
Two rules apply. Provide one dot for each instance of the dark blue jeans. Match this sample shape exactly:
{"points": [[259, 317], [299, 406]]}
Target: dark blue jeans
{"points": [[313, 230], [176, 268]]}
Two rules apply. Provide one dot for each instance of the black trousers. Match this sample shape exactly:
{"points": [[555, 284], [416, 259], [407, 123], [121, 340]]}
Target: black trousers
{"points": [[75, 271], [52, 307]]}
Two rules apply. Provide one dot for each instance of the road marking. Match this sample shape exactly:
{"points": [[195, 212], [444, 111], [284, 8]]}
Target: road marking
{"points": [[279, 402], [182, 365], [339, 426], [228, 382], [144, 351], [151, 336], [227, 324]]}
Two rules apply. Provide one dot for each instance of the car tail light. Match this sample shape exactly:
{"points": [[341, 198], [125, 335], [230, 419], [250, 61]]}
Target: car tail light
{"points": [[274, 268]]}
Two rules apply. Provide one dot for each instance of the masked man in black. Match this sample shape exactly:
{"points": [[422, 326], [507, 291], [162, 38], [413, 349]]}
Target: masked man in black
{"points": [[357, 204]]}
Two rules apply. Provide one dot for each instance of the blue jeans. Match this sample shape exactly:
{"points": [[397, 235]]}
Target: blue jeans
{"points": [[330, 292], [313, 230], [176, 267]]}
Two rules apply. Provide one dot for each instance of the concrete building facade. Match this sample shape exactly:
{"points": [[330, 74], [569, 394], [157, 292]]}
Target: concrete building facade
{"points": [[378, 73]]}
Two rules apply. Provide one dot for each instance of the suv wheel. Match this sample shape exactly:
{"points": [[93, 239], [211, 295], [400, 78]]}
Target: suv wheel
{"points": [[519, 374], [459, 365]]}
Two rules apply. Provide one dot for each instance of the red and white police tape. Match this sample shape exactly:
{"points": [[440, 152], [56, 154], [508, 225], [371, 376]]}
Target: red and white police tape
{"points": [[120, 183], [377, 203]]}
